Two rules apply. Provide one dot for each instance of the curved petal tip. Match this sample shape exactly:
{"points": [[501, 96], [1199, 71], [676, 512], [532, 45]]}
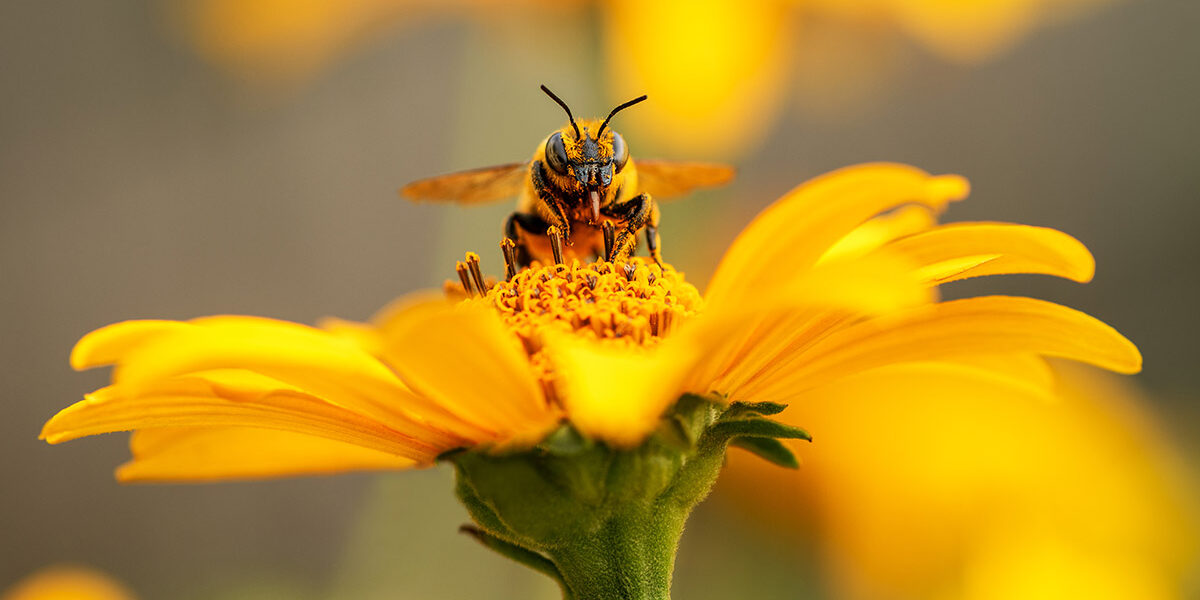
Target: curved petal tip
{"points": [[948, 188], [106, 345]]}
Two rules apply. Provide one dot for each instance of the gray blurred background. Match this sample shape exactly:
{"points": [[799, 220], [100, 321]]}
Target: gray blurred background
{"points": [[137, 182]]}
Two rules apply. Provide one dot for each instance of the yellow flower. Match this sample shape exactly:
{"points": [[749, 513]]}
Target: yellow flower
{"points": [[731, 65], [964, 488], [814, 290], [275, 41], [956, 30], [728, 65], [67, 583]]}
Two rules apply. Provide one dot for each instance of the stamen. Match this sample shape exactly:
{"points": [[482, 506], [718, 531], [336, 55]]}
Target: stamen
{"points": [[465, 277], [634, 302], [665, 321], [610, 238], [509, 249], [556, 243], [476, 273]]}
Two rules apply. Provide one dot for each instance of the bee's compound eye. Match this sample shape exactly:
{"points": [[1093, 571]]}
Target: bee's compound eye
{"points": [[556, 154], [620, 152]]}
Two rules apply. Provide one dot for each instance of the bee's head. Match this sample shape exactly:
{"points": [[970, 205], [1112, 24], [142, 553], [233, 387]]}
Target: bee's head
{"points": [[589, 156]]}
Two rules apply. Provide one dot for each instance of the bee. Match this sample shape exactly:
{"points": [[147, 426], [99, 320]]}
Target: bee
{"points": [[580, 196]]}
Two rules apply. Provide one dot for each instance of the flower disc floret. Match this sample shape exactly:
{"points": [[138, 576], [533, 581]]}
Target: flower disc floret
{"points": [[637, 302]]}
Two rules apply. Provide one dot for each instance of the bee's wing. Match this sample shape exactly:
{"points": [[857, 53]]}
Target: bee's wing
{"points": [[666, 178], [470, 187]]}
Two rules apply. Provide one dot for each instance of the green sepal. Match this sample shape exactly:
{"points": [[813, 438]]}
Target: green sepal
{"points": [[529, 558], [692, 414], [534, 496], [758, 428], [674, 434], [768, 449], [740, 409], [479, 510], [565, 441]]}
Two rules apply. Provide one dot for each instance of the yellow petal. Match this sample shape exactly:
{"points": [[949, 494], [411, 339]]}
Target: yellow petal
{"points": [[985, 325], [469, 362], [227, 398], [1023, 369], [398, 313], [616, 392], [878, 284], [219, 453], [323, 364], [360, 334], [106, 346], [962, 250], [792, 234], [371, 336], [746, 339], [869, 236]]}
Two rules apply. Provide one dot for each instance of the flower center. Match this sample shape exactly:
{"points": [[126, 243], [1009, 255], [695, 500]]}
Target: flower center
{"points": [[633, 302]]}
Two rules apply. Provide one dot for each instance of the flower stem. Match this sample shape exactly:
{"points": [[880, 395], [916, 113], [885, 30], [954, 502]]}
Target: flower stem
{"points": [[630, 558], [605, 522]]}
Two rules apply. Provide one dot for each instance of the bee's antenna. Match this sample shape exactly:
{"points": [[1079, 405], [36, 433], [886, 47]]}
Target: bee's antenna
{"points": [[566, 108], [615, 111]]}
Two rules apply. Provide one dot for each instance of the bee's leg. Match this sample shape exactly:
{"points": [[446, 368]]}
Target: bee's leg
{"points": [[545, 193], [653, 242], [634, 213], [528, 223]]}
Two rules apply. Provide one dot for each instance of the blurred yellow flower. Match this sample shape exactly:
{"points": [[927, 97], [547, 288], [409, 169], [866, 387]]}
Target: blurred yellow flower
{"points": [[807, 295], [957, 30], [276, 41], [927, 484], [66, 582], [719, 72]]}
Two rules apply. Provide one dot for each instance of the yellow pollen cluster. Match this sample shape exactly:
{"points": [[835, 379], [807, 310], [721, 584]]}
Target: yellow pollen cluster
{"points": [[635, 301]]}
